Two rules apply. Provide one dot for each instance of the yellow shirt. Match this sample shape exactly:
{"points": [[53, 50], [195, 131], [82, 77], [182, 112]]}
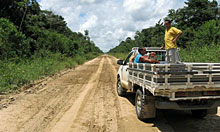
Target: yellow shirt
{"points": [[170, 35]]}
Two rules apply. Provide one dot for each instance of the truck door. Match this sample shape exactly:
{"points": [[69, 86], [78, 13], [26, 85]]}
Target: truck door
{"points": [[124, 69]]}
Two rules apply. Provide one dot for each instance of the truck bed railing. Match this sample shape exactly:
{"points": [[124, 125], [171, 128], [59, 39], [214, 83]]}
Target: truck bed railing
{"points": [[166, 79]]}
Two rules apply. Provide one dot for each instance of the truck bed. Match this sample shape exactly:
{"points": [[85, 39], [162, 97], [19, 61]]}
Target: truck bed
{"points": [[196, 80]]}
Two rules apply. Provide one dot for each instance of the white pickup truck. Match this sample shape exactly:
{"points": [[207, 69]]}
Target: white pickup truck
{"points": [[184, 86]]}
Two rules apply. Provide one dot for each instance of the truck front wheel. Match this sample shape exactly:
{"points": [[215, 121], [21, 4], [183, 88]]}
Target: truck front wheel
{"points": [[120, 90], [199, 113]]}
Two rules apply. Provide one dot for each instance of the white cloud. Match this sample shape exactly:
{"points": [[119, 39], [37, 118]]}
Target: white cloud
{"points": [[139, 9], [90, 1], [110, 21], [89, 24]]}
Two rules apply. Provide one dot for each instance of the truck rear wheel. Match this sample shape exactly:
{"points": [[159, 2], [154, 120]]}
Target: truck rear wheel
{"points": [[120, 90], [139, 104], [199, 113], [145, 106]]}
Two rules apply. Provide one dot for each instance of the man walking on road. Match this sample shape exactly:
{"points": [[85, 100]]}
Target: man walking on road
{"points": [[172, 34]]}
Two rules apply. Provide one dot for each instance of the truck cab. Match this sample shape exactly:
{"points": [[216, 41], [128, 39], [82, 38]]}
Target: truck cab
{"points": [[124, 65]]}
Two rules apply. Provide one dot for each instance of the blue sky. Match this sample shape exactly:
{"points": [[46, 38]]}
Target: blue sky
{"points": [[110, 21]]}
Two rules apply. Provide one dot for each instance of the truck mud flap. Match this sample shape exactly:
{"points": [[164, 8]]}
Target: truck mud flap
{"points": [[149, 107], [212, 111]]}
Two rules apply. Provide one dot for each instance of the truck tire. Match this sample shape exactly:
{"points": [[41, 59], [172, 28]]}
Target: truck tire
{"points": [[145, 106], [120, 90], [199, 113], [139, 105]]}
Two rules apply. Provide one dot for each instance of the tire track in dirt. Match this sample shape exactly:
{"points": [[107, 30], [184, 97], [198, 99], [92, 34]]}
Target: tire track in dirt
{"points": [[65, 122], [101, 111], [33, 112]]}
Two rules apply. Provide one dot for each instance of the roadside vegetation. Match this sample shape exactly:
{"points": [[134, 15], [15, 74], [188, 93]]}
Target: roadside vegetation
{"points": [[27, 71], [35, 43], [200, 22], [121, 56]]}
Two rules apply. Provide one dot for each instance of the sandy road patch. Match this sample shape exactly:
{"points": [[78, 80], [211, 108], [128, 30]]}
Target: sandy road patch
{"points": [[85, 100], [64, 123], [33, 112]]}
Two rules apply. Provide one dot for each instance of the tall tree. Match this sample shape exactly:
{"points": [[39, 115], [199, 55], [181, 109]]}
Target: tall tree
{"points": [[195, 13], [16, 10]]}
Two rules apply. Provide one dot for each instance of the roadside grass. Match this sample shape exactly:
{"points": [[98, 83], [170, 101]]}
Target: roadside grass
{"points": [[16, 74], [121, 56]]}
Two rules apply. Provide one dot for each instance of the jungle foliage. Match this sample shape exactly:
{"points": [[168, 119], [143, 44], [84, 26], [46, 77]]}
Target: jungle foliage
{"points": [[198, 19], [35, 42], [26, 30]]}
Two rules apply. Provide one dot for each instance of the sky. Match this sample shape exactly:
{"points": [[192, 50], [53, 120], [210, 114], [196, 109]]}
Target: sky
{"points": [[110, 21]]}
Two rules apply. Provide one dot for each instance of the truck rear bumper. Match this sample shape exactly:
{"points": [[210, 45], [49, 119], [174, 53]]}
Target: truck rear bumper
{"points": [[176, 106]]}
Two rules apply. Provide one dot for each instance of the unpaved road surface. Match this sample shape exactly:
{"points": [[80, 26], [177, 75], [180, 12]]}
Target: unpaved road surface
{"points": [[85, 100]]}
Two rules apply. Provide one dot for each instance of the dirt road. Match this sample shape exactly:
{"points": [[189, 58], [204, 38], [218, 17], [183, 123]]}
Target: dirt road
{"points": [[85, 100]]}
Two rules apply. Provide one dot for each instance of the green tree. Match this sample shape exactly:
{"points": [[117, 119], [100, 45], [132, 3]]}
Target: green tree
{"points": [[208, 34], [12, 43], [16, 10]]}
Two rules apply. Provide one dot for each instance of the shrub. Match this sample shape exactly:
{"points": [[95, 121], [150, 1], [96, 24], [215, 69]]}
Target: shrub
{"points": [[204, 53]]}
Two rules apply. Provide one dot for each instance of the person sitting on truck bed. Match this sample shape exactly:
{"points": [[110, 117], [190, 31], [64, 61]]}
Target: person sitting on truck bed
{"points": [[140, 58]]}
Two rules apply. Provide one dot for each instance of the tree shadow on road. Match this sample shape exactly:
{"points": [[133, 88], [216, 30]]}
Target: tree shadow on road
{"points": [[181, 121]]}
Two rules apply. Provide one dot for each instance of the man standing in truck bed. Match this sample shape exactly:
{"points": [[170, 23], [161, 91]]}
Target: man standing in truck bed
{"points": [[172, 34]]}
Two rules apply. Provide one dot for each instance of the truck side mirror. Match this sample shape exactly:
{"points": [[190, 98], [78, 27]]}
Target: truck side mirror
{"points": [[120, 62]]}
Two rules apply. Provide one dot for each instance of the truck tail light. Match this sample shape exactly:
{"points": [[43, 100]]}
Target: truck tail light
{"points": [[211, 93]]}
